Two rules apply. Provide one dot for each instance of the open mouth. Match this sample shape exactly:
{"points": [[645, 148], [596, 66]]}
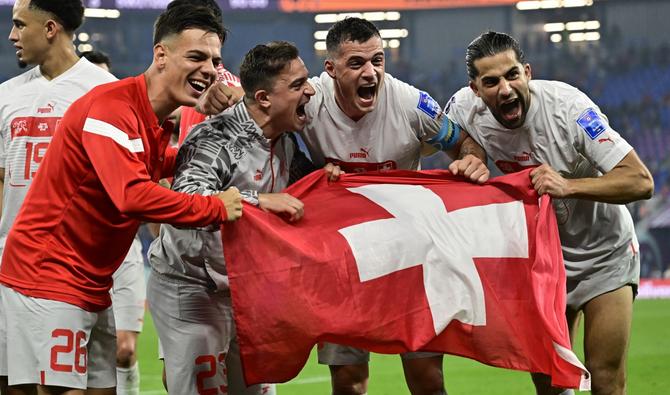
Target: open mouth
{"points": [[199, 86], [511, 110], [367, 92], [301, 112]]}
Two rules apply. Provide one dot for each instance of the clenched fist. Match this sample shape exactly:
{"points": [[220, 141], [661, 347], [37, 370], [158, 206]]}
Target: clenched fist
{"points": [[232, 200]]}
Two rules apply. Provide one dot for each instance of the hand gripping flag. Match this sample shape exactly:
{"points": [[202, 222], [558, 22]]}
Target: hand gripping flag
{"points": [[403, 261]]}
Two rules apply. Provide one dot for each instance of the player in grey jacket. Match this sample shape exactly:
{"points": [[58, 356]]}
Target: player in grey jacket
{"points": [[246, 147]]}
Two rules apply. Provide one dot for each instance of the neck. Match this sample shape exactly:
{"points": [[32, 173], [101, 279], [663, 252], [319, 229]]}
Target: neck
{"points": [[160, 100], [347, 110], [262, 119], [58, 60]]}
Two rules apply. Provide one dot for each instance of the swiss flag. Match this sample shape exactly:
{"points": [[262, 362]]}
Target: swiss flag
{"points": [[403, 261]]}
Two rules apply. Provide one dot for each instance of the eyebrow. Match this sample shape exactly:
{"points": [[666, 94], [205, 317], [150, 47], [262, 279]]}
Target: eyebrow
{"points": [[298, 81], [490, 77]]}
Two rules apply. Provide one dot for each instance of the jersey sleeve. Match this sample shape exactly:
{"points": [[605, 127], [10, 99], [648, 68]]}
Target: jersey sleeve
{"points": [[593, 136], [425, 117], [203, 165], [112, 143], [457, 112]]}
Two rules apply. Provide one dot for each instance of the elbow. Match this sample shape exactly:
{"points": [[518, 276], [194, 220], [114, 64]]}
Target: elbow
{"points": [[647, 186]]}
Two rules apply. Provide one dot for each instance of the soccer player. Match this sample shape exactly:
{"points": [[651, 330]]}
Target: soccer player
{"points": [[217, 97], [362, 119], [32, 104], [128, 295], [247, 147], [94, 186], [589, 171]]}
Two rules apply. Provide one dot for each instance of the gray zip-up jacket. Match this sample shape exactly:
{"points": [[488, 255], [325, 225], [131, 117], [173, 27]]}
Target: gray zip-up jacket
{"points": [[224, 151]]}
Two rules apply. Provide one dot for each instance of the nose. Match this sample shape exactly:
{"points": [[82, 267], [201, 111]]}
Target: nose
{"points": [[505, 87], [309, 90], [13, 34], [209, 71], [368, 69]]}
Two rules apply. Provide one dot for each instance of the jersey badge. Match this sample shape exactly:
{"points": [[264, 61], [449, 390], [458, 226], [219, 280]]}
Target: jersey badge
{"points": [[592, 123], [428, 105]]}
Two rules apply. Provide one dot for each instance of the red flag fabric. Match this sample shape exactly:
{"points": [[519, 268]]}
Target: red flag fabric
{"points": [[403, 261]]}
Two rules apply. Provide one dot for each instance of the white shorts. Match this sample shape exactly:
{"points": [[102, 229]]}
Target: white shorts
{"points": [[129, 291], [58, 344], [335, 354], [197, 336]]}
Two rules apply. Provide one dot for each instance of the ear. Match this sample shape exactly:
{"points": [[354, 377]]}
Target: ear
{"points": [[527, 70], [160, 55], [51, 29], [474, 88], [262, 97], [329, 65]]}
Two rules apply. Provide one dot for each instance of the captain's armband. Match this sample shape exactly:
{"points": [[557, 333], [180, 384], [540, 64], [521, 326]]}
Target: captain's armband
{"points": [[447, 137]]}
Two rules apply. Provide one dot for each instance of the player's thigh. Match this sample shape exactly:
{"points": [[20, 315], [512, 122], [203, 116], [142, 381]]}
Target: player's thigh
{"points": [[235, 376], [129, 295], [58, 344], [607, 326], [420, 366], [194, 327], [338, 355]]}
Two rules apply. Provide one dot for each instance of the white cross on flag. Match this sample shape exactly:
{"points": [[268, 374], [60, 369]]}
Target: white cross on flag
{"points": [[403, 261]]}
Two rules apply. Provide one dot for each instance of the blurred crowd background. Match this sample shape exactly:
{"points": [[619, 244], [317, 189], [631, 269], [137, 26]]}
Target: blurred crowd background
{"points": [[617, 51]]}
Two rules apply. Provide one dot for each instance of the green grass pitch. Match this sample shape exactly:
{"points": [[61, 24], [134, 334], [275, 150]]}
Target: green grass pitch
{"points": [[648, 365]]}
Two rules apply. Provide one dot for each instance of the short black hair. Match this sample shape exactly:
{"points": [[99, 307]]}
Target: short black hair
{"points": [[176, 19], [96, 57], [349, 29], [211, 4], [489, 44], [69, 13], [263, 63]]}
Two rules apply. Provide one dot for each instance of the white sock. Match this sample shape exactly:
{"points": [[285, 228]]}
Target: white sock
{"points": [[128, 380], [567, 392]]}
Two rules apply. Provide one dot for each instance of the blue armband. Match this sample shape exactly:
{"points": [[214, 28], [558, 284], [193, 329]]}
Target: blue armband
{"points": [[447, 137]]}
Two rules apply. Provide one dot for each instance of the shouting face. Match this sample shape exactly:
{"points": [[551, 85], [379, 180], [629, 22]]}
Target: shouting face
{"points": [[358, 71], [502, 83]]}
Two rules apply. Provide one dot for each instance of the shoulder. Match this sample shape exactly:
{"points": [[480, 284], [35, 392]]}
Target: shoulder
{"points": [[412, 99], [562, 100], [462, 103], [20, 79]]}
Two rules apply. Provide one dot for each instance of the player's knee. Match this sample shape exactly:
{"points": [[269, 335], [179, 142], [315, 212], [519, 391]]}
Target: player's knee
{"points": [[349, 379], [429, 383], [125, 354], [607, 378]]}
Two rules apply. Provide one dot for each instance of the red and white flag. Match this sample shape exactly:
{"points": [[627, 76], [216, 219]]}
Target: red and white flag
{"points": [[403, 261]]}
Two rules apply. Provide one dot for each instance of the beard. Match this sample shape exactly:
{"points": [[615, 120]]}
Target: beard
{"points": [[22, 64]]}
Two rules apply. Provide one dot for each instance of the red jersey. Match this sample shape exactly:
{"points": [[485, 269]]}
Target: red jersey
{"points": [[95, 185], [190, 117]]}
